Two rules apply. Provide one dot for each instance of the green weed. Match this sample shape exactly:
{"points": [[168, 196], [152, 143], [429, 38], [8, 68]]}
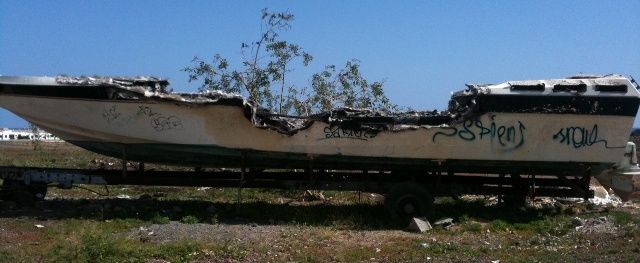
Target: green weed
{"points": [[189, 220], [356, 254], [159, 219], [498, 225], [472, 227], [623, 218]]}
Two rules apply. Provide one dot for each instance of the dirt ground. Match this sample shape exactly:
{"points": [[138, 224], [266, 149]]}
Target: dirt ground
{"points": [[189, 224]]}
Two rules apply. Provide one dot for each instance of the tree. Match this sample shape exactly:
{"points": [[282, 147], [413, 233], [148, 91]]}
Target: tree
{"points": [[346, 88], [263, 75], [36, 141]]}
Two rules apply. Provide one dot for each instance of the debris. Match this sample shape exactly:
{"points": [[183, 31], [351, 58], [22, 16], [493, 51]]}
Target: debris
{"points": [[123, 196], [577, 222], [39, 226], [597, 225], [420, 225], [314, 196], [599, 191], [603, 197], [203, 188], [445, 222]]}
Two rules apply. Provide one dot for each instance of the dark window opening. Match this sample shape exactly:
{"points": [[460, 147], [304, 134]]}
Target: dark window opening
{"points": [[570, 88], [611, 88], [537, 87]]}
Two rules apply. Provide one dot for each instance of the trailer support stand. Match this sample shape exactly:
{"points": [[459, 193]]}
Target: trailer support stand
{"points": [[243, 171], [124, 160]]}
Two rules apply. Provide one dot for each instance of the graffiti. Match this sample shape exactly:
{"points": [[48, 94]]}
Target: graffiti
{"points": [[166, 123], [506, 136], [337, 133], [147, 111], [160, 122], [111, 114], [579, 137]]}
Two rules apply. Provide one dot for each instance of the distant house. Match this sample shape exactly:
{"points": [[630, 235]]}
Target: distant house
{"points": [[7, 134]]}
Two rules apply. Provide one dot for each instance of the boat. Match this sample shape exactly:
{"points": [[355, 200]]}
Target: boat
{"points": [[575, 124]]}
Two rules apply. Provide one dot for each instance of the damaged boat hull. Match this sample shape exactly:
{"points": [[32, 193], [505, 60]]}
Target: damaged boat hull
{"points": [[566, 132], [224, 131]]}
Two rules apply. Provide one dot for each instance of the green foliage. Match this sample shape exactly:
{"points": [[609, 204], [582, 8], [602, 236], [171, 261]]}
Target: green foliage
{"points": [[189, 219], [5, 256], [159, 219], [346, 87], [99, 248], [356, 254], [623, 218], [96, 246], [266, 62], [472, 226], [498, 225], [556, 226]]}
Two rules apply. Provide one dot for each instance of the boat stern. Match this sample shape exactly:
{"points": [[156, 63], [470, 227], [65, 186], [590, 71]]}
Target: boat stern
{"points": [[624, 177]]}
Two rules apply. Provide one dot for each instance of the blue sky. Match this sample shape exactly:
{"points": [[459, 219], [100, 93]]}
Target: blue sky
{"points": [[424, 50]]}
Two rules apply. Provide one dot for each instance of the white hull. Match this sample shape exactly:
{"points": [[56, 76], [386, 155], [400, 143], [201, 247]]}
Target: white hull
{"points": [[493, 136]]}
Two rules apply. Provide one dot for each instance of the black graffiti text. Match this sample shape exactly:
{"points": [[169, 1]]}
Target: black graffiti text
{"points": [[111, 114], [506, 136], [335, 132], [160, 122], [579, 137], [166, 123], [147, 111]]}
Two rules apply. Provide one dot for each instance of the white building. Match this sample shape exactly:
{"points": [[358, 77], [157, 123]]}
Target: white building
{"points": [[7, 134]]}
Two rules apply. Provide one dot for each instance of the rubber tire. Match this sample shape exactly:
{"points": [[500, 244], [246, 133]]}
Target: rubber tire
{"points": [[23, 198], [404, 196], [23, 195], [39, 191]]}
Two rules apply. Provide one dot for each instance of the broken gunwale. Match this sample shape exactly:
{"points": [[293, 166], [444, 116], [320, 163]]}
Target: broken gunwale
{"points": [[464, 106]]}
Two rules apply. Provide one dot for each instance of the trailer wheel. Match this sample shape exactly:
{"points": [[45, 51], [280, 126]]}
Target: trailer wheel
{"points": [[38, 191], [407, 200], [23, 195], [23, 198]]}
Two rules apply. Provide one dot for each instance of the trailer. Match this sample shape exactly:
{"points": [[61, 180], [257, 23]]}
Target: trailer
{"points": [[408, 192]]}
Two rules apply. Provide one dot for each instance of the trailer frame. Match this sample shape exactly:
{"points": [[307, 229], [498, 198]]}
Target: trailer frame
{"points": [[408, 192]]}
